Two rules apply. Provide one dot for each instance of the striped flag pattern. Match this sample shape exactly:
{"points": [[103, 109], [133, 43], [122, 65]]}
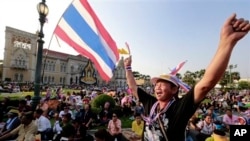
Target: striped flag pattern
{"points": [[175, 70], [182, 84], [81, 29]]}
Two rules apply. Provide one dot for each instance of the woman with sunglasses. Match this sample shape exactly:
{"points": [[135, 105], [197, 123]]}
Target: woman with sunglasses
{"points": [[115, 128]]}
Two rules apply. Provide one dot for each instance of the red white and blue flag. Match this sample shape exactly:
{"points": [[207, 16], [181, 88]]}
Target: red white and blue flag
{"points": [[175, 70], [81, 29], [182, 84]]}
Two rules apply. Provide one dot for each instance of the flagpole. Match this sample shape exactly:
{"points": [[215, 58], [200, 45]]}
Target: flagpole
{"points": [[55, 28], [50, 43], [61, 17]]}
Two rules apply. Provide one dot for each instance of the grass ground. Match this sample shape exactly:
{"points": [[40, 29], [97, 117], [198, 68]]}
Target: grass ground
{"points": [[17, 96]]}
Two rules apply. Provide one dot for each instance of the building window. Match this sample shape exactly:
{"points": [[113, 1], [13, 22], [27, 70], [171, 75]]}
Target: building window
{"points": [[21, 77], [16, 77], [45, 79], [64, 68], [54, 67], [61, 68], [46, 65], [49, 65], [52, 79], [64, 79], [71, 80]]}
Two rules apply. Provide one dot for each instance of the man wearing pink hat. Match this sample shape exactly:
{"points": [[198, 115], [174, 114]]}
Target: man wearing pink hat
{"points": [[169, 115]]}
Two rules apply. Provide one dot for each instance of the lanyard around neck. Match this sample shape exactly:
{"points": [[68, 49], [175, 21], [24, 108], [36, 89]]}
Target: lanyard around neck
{"points": [[151, 118]]}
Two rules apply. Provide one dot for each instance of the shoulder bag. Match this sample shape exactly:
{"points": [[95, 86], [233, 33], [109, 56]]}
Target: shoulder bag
{"points": [[162, 129]]}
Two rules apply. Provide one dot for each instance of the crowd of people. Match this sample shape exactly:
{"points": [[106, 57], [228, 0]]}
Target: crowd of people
{"points": [[68, 116], [223, 110], [167, 114], [73, 117]]}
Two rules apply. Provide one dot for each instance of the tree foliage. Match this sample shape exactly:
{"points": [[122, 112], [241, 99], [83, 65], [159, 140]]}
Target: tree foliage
{"points": [[138, 75], [100, 100], [244, 85], [191, 78]]}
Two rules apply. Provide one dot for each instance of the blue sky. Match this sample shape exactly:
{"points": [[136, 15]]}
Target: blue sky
{"points": [[161, 33]]}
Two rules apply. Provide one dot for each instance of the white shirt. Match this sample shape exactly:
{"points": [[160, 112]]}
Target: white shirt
{"points": [[205, 128], [42, 123], [62, 113], [57, 128]]}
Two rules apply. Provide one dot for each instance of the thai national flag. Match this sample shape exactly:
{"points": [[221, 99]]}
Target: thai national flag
{"points": [[80, 28], [183, 85], [177, 68]]}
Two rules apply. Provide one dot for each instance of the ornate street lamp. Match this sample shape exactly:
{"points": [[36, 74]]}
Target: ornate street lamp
{"points": [[43, 11]]}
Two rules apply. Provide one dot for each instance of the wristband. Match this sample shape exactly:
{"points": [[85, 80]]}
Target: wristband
{"points": [[128, 68]]}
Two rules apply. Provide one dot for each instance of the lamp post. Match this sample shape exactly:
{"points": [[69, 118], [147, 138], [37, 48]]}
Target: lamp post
{"points": [[43, 11], [231, 67]]}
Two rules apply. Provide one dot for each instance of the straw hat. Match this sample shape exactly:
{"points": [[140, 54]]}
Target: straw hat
{"points": [[167, 77], [13, 111]]}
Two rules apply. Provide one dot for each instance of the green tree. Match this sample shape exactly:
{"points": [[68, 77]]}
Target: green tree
{"points": [[228, 78], [244, 85], [147, 77], [224, 79], [178, 75], [235, 76], [100, 100], [200, 74], [189, 78], [136, 74]]}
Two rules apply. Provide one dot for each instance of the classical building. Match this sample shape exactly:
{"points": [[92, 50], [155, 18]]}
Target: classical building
{"points": [[58, 68], [1, 69], [119, 78]]}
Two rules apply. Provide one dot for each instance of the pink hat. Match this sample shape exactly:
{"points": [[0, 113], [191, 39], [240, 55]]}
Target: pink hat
{"points": [[243, 120]]}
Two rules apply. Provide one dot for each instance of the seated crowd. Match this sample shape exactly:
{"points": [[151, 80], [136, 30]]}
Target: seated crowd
{"points": [[66, 119]]}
